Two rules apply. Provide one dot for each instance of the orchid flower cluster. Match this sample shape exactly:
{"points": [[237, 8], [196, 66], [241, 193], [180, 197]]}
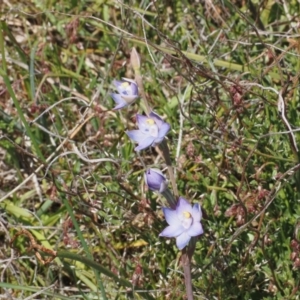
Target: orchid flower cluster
{"points": [[183, 219]]}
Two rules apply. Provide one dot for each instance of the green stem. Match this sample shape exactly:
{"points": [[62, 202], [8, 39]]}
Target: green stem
{"points": [[139, 81], [170, 198], [166, 153]]}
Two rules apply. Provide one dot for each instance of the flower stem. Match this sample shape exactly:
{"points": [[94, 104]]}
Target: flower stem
{"points": [[136, 63], [186, 263], [166, 153], [139, 82], [186, 255], [170, 198]]}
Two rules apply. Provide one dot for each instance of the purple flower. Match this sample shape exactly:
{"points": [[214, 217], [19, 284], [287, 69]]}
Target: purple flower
{"points": [[152, 130], [184, 222], [128, 92], [155, 180]]}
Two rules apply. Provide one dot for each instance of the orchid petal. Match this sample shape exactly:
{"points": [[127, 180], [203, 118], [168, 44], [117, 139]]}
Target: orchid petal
{"points": [[163, 130], [148, 141], [118, 98], [117, 83], [197, 212], [129, 99], [172, 231], [157, 171], [195, 230], [171, 216], [119, 106], [182, 240], [157, 141], [136, 135], [149, 129], [155, 180], [131, 86], [141, 120], [134, 89], [119, 101], [183, 206], [163, 186], [158, 120]]}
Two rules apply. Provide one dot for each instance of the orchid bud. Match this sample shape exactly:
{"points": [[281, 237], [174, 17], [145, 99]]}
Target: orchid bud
{"points": [[135, 59], [155, 180]]}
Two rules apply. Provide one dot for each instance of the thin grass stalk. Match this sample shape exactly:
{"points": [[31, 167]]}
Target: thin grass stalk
{"points": [[84, 244]]}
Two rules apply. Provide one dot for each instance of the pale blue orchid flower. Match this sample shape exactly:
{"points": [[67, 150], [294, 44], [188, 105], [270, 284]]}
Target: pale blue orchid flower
{"points": [[184, 222], [152, 130], [128, 92]]}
